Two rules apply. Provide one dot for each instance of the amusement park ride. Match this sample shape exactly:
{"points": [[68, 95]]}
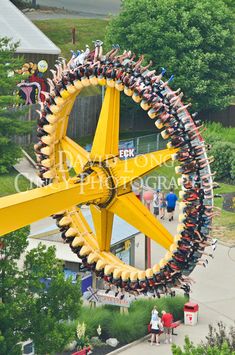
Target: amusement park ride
{"points": [[103, 181]]}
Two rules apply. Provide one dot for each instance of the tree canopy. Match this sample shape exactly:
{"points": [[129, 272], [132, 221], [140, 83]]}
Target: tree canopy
{"points": [[29, 309], [194, 40], [10, 125]]}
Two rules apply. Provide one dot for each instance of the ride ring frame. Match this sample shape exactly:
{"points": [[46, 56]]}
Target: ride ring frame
{"points": [[63, 195]]}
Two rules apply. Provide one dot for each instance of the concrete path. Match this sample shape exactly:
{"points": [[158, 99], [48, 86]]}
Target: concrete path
{"points": [[28, 171], [76, 8], [214, 291]]}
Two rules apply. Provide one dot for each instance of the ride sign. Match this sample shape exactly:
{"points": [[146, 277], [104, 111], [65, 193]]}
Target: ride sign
{"points": [[99, 296], [126, 149]]}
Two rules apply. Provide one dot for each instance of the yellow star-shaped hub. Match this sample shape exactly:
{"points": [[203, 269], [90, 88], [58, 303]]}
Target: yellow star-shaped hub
{"points": [[102, 181]]}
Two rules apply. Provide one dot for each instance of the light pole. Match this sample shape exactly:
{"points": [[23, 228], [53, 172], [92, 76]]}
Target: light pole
{"points": [[148, 197]]}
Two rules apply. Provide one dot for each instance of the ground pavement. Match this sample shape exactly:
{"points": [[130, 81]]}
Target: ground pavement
{"points": [[214, 291], [26, 169], [75, 8]]}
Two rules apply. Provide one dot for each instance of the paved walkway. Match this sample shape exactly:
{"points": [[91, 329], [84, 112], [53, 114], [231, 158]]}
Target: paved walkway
{"points": [[74, 9], [101, 7], [28, 171], [214, 291]]}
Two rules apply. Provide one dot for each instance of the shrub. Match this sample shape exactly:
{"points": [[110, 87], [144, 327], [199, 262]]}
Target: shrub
{"points": [[220, 341], [224, 164], [217, 336], [128, 327], [174, 305], [93, 317], [215, 132], [223, 149], [190, 348]]}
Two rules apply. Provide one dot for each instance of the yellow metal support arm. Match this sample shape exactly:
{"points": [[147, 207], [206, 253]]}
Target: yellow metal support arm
{"points": [[77, 156], [106, 138], [21, 209], [103, 223], [129, 208], [125, 171]]}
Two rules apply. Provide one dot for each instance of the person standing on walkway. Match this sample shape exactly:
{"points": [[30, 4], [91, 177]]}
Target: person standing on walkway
{"points": [[171, 199], [167, 320], [162, 205], [156, 201], [155, 326]]}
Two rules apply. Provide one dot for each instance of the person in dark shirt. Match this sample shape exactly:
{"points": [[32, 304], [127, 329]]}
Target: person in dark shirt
{"points": [[171, 199]]}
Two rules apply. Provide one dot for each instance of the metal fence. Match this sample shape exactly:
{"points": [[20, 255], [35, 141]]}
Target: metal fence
{"points": [[146, 144]]}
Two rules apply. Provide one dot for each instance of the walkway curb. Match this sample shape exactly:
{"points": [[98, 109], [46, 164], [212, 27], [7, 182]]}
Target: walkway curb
{"points": [[130, 345], [30, 160]]}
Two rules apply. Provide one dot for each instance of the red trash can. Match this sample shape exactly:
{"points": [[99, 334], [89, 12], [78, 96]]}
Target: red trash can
{"points": [[191, 313]]}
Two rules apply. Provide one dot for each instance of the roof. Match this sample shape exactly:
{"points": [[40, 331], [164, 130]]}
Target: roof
{"points": [[46, 229], [14, 24], [62, 253]]}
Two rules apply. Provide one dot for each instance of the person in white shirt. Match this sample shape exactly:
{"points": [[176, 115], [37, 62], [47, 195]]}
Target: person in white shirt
{"points": [[155, 326], [156, 203]]}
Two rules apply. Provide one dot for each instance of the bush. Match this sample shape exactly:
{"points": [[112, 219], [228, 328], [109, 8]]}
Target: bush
{"points": [[215, 132], [93, 317], [220, 341], [224, 164], [217, 336], [174, 305], [190, 348], [128, 327], [223, 149]]}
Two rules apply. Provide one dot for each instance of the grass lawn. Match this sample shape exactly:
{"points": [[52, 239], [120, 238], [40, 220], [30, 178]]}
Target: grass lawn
{"points": [[12, 183], [59, 31], [87, 30], [166, 176], [226, 219]]}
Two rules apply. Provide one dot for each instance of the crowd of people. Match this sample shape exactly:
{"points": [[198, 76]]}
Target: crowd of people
{"points": [[182, 130]]}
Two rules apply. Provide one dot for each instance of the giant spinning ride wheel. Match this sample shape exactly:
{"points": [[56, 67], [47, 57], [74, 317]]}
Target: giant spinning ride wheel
{"points": [[103, 181]]}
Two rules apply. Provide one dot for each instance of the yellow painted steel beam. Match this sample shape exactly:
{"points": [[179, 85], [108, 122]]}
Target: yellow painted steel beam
{"points": [[77, 155], [62, 172], [105, 143], [26, 207], [103, 223], [64, 126], [114, 260], [63, 115], [84, 229], [129, 208], [125, 171]]}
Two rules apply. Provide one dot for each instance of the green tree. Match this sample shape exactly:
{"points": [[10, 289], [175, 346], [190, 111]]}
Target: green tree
{"points": [[10, 125], [194, 40], [29, 309]]}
